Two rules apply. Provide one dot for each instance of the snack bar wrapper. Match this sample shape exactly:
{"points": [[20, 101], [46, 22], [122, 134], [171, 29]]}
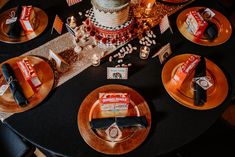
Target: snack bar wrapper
{"points": [[185, 69], [28, 19], [196, 23], [29, 73], [114, 101]]}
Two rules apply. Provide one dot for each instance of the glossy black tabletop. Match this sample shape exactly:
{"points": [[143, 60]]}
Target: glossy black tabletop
{"points": [[52, 125]]}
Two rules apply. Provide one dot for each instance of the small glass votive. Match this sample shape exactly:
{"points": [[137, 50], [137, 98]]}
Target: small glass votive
{"points": [[72, 22], [95, 60], [144, 52]]}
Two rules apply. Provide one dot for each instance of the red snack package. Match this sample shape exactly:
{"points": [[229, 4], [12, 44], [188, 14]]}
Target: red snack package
{"points": [[28, 18], [114, 101], [185, 69], [196, 23], [29, 73]]}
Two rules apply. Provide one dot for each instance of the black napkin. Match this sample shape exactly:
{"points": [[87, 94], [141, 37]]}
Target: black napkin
{"points": [[199, 93], [15, 28], [130, 121], [15, 88], [211, 31]]}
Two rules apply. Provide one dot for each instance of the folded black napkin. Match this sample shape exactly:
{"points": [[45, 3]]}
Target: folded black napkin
{"points": [[131, 121], [199, 93], [211, 31], [15, 88], [15, 28]]}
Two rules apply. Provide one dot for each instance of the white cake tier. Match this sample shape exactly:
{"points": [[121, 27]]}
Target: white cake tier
{"points": [[111, 19]]}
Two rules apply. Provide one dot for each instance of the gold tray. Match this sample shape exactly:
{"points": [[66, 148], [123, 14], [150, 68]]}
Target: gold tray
{"points": [[222, 23], [97, 139], [42, 21], [185, 94], [46, 76]]}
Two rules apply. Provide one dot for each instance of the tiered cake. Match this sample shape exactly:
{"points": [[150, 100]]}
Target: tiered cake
{"points": [[110, 21]]}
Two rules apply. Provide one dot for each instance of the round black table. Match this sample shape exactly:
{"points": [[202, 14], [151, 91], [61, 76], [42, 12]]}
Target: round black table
{"points": [[53, 124]]}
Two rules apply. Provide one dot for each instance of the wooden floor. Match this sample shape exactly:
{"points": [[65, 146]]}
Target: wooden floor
{"points": [[38, 153]]}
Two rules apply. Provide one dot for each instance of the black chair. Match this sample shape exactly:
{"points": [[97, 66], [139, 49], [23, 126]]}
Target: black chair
{"points": [[11, 145]]}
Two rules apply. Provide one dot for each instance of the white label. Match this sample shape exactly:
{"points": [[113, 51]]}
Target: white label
{"points": [[11, 20], [203, 82], [208, 13], [117, 73], [3, 89], [113, 132]]}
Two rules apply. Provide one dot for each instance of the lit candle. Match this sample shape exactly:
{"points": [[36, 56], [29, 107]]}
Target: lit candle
{"points": [[144, 52], [72, 22], [148, 8], [95, 60]]}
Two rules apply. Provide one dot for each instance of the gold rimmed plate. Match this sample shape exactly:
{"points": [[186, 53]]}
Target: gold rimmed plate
{"points": [[131, 137], [223, 25], [185, 94], [45, 75], [41, 24]]}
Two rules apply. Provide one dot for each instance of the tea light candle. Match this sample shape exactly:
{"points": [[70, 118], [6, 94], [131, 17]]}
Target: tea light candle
{"points": [[144, 52], [95, 60], [72, 22], [148, 8]]}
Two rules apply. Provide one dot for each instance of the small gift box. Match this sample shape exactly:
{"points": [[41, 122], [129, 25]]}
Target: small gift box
{"points": [[28, 18], [29, 73], [185, 69], [196, 23], [114, 101]]}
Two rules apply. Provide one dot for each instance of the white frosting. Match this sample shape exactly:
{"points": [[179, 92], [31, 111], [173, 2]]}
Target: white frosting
{"points": [[111, 19]]}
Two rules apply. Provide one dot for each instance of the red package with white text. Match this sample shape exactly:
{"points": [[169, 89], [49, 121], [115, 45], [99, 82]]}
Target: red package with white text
{"points": [[196, 23], [28, 18], [114, 101], [29, 73], [185, 69]]}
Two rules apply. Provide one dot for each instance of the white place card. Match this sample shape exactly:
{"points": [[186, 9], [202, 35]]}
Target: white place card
{"points": [[61, 64], [117, 73], [165, 25], [164, 53]]}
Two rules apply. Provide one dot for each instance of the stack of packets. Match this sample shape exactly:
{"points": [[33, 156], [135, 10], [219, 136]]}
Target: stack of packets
{"points": [[114, 102], [28, 88], [201, 82], [24, 19], [199, 24]]}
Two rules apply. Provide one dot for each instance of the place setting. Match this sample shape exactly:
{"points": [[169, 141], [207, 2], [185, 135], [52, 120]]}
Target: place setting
{"points": [[114, 119], [22, 23], [204, 26], [25, 82], [195, 82]]}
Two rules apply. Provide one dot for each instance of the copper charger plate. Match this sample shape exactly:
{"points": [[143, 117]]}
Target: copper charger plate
{"points": [[185, 94], [46, 76], [97, 139], [223, 25], [41, 24]]}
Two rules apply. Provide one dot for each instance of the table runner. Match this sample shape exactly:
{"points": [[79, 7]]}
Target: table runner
{"points": [[58, 45]]}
